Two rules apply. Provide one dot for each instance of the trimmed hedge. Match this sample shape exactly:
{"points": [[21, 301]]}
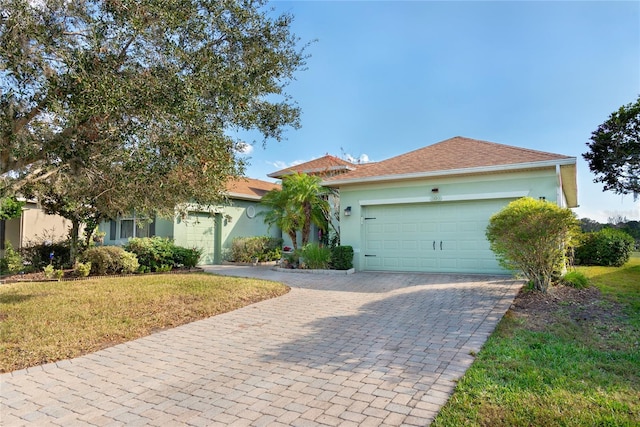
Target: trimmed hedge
{"points": [[162, 254], [342, 257], [607, 247]]}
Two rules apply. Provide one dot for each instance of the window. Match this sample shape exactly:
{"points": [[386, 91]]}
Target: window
{"points": [[126, 228]]}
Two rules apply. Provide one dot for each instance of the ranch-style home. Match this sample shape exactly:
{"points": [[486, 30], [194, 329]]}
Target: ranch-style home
{"points": [[211, 230], [427, 210]]}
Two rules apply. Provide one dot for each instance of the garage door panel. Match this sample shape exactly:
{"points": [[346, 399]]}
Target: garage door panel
{"points": [[391, 245], [410, 245]]}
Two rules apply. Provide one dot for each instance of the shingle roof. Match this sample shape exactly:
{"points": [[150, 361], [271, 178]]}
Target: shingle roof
{"points": [[325, 166], [249, 188], [452, 154]]}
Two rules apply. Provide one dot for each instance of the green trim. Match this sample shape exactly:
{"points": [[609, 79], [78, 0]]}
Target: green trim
{"points": [[217, 239]]}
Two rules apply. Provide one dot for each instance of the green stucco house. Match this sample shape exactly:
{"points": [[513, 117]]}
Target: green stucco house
{"points": [[211, 230], [427, 210]]}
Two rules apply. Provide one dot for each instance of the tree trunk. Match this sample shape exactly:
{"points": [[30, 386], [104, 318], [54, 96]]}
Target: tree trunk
{"points": [[74, 234], [294, 238], [306, 227]]}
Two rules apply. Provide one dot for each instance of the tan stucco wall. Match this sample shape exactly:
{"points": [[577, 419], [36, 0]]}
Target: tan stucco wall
{"points": [[34, 226]]}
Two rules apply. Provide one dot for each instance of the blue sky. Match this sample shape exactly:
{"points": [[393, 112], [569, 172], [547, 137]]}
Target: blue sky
{"points": [[388, 77]]}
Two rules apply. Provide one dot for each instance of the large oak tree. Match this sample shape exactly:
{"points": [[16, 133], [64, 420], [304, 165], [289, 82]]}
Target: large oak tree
{"points": [[129, 104], [614, 151]]}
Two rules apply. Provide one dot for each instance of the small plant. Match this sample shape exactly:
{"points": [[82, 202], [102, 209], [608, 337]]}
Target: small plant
{"points": [[575, 279], [164, 268], [316, 256], [49, 271], [82, 269], [186, 257], [58, 274], [12, 261]]}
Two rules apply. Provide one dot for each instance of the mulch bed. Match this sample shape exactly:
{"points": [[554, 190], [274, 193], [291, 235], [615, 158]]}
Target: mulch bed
{"points": [[580, 305]]}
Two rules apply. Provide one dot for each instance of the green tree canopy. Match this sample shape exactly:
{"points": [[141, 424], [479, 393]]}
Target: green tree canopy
{"points": [[10, 207], [140, 94], [614, 151], [531, 235]]}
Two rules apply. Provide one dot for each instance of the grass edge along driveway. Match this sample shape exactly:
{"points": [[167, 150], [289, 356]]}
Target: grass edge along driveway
{"points": [[579, 365], [42, 322]]}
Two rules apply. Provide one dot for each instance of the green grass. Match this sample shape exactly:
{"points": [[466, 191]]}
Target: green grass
{"points": [[44, 322], [570, 373]]}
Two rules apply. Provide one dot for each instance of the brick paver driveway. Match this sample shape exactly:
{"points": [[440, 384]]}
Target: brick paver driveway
{"points": [[365, 349]]}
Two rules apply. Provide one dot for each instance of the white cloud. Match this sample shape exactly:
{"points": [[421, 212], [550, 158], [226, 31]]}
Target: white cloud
{"points": [[278, 164], [244, 148], [364, 158]]}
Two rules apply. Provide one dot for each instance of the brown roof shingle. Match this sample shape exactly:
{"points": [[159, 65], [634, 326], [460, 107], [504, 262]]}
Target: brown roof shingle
{"points": [[250, 188], [452, 154]]}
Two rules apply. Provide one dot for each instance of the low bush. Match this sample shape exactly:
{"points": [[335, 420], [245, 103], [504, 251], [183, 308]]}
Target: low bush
{"points": [[607, 247], [342, 257], [12, 261], [38, 256], [152, 252], [49, 271], [260, 248], [575, 279], [162, 254], [111, 260], [186, 257], [82, 269], [316, 256]]}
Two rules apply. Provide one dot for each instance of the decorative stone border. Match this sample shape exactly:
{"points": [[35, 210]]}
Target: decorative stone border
{"points": [[312, 271]]}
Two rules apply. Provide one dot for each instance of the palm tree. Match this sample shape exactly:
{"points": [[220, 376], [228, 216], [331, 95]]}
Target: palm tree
{"points": [[301, 203], [309, 196], [281, 215]]}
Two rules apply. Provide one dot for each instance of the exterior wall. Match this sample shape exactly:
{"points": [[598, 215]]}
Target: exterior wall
{"points": [[35, 226], [212, 231], [163, 228], [539, 183], [239, 220]]}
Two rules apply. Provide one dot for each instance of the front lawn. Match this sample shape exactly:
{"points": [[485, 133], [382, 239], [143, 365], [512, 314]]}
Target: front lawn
{"points": [[43, 322], [570, 358]]}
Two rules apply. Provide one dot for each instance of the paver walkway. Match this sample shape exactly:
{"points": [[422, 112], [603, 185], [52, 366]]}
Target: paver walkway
{"points": [[365, 349]]}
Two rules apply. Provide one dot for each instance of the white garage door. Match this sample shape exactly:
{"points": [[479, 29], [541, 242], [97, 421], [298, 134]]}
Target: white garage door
{"points": [[430, 237]]}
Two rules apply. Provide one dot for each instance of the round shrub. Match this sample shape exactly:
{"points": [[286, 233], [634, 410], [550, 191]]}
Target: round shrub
{"points": [[111, 260], [607, 247], [82, 269]]}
